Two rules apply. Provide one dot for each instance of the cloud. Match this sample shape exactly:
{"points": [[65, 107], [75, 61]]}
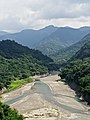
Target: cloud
{"points": [[19, 14]]}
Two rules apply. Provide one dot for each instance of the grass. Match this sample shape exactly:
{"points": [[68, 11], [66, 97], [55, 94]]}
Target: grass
{"points": [[18, 84]]}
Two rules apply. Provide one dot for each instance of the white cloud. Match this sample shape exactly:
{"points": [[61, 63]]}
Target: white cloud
{"points": [[19, 14]]}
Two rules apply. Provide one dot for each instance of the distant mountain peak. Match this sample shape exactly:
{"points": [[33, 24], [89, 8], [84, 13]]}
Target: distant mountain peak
{"points": [[49, 26], [85, 28]]}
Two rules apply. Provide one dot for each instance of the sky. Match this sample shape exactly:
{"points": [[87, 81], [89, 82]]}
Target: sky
{"points": [[16, 15]]}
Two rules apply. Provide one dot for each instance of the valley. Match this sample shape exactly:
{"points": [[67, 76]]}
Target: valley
{"points": [[38, 87], [44, 60]]}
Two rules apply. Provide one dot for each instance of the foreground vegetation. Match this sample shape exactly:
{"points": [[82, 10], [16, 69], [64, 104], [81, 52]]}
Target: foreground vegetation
{"points": [[6, 113]]}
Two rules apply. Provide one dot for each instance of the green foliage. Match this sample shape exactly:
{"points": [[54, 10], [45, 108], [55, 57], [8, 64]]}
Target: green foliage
{"points": [[20, 68], [18, 83], [19, 62], [78, 72], [6, 113]]}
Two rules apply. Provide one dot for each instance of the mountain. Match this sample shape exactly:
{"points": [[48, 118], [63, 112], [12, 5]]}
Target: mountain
{"points": [[20, 62], [56, 42], [85, 28], [29, 37], [77, 72], [3, 33], [83, 53], [61, 38], [11, 49], [49, 29], [66, 53]]}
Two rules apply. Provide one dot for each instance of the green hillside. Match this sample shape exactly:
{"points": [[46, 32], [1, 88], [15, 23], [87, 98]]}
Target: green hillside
{"points": [[77, 72], [19, 62], [84, 52], [66, 53]]}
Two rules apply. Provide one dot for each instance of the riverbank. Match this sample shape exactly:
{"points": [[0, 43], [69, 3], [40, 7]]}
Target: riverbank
{"points": [[35, 105], [65, 97]]}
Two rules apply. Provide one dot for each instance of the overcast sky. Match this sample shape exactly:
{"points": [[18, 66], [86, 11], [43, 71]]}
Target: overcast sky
{"points": [[16, 15]]}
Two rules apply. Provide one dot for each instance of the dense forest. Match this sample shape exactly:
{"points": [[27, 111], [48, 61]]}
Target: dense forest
{"points": [[6, 113], [19, 62], [77, 72]]}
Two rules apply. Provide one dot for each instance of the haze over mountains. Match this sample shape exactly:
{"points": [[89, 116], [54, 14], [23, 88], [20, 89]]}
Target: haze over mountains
{"points": [[29, 37], [56, 42], [61, 38], [68, 52]]}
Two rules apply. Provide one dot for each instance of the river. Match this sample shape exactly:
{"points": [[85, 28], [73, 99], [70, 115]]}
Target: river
{"points": [[44, 90]]}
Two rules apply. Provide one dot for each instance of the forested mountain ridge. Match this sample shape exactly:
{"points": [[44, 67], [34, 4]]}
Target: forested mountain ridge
{"points": [[65, 54], [11, 49], [50, 40], [77, 72], [29, 37], [17, 61], [84, 52], [62, 38]]}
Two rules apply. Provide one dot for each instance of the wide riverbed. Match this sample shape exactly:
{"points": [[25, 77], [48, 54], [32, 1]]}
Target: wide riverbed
{"points": [[44, 94]]}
